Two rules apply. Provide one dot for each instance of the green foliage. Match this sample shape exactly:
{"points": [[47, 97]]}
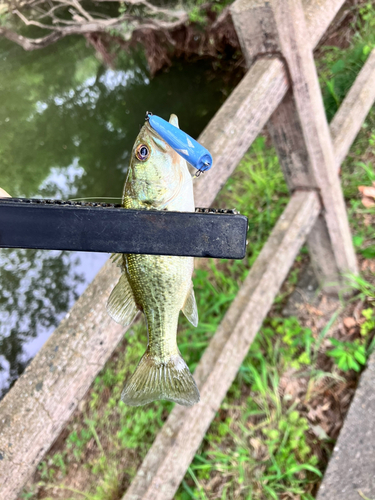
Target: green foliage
{"points": [[196, 15], [353, 355], [367, 13], [77, 441], [368, 325], [348, 355], [287, 446], [293, 341], [367, 167], [197, 9], [4, 18], [355, 173], [365, 289], [339, 67]]}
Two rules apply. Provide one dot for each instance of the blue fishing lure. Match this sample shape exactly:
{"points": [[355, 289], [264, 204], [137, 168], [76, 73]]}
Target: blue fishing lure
{"points": [[193, 152]]}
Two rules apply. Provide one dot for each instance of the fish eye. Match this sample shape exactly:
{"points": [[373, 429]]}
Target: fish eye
{"points": [[142, 152]]}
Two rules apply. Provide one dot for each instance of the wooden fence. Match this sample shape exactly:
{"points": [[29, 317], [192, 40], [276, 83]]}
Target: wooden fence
{"points": [[280, 88]]}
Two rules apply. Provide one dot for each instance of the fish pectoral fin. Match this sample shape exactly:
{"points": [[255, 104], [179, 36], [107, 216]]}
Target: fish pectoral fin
{"points": [[154, 380], [121, 304], [190, 307]]}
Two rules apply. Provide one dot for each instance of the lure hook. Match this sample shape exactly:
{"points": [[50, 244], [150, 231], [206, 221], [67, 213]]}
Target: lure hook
{"points": [[197, 174]]}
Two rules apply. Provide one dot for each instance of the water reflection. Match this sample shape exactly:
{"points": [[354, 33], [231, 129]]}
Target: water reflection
{"points": [[67, 126], [36, 287], [61, 183]]}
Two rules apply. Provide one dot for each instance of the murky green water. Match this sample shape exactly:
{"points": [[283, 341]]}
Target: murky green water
{"points": [[67, 126]]}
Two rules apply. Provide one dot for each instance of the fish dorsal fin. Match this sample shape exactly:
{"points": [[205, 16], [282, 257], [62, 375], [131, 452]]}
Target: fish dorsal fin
{"points": [[162, 145], [174, 120], [121, 304], [190, 307]]}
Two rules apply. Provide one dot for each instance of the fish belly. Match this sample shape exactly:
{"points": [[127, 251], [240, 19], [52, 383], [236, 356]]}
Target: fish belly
{"points": [[160, 285]]}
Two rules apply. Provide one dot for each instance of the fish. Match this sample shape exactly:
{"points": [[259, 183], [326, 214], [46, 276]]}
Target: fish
{"points": [[160, 286]]}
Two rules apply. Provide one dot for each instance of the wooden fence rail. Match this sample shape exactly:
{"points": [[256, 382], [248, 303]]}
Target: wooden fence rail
{"points": [[37, 408], [349, 118]]}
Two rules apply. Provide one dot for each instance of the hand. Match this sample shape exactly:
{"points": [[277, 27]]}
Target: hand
{"points": [[4, 194]]}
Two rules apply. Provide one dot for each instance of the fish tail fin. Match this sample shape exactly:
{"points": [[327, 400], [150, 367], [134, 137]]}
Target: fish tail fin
{"points": [[154, 380]]}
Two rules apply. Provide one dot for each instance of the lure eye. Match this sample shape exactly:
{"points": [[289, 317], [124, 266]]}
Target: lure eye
{"points": [[142, 152]]}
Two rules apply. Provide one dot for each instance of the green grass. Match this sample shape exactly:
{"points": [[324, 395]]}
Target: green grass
{"points": [[339, 67]]}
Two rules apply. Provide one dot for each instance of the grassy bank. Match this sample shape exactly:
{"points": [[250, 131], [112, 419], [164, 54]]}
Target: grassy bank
{"points": [[275, 430]]}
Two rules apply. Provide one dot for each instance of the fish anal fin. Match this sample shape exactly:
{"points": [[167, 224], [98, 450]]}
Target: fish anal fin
{"points": [[154, 380], [190, 307], [121, 304]]}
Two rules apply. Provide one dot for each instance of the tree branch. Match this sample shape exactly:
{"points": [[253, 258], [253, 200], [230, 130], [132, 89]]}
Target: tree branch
{"points": [[31, 43], [80, 25]]}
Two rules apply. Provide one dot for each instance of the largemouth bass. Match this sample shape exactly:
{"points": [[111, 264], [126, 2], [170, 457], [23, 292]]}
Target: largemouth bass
{"points": [[160, 286]]}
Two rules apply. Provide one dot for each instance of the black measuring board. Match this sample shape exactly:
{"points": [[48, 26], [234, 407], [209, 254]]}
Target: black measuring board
{"points": [[95, 227]]}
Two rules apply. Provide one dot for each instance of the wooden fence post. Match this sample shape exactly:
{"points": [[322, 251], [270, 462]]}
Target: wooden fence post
{"points": [[299, 126]]}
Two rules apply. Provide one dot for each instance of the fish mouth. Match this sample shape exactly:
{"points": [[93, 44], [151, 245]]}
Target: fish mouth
{"points": [[149, 129]]}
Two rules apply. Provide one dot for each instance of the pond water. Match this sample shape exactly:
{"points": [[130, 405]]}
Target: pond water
{"points": [[67, 126]]}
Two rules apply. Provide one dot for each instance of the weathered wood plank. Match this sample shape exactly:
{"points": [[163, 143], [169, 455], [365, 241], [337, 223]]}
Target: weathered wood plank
{"points": [[350, 474], [348, 120], [243, 115], [319, 14], [287, 135], [286, 131], [256, 29], [238, 122], [307, 99], [166, 462]]}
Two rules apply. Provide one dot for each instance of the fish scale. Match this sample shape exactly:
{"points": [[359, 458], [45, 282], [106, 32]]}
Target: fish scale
{"points": [[161, 296]]}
